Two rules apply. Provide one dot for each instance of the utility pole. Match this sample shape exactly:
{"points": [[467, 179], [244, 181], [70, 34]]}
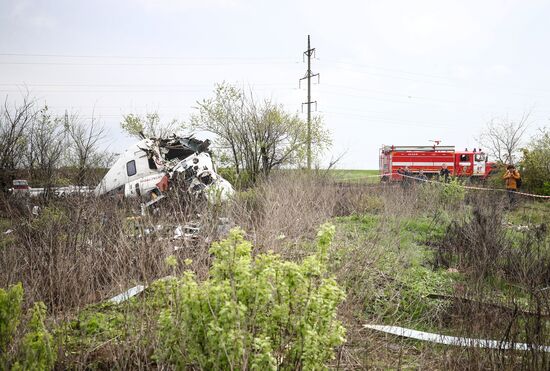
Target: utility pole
{"points": [[308, 53]]}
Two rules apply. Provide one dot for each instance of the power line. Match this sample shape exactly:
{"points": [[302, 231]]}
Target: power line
{"points": [[194, 64], [415, 100], [82, 84], [388, 69], [451, 82], [391, 121], [309, 52], [408, 98], [46, 55], [144, 90]]}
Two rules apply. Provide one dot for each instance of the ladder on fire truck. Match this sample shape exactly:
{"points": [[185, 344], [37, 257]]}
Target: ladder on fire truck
{"points": [[419, 148]]}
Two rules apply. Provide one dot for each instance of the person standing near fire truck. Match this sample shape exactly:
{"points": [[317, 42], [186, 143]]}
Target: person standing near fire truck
{"points": [[445, 172], [405, 177], [511, 177]]}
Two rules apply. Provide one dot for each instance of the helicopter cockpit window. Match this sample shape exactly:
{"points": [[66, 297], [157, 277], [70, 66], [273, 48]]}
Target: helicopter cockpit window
{"points": [[131, 168], [480, 157]]}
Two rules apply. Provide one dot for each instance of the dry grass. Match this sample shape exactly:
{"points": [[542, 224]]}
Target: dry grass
{"points": [[80, 251]]}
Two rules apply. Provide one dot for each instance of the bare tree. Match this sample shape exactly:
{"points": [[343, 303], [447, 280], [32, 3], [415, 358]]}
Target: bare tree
{"points": [[84, 140], [47, 145], [14, 123], [503, 138]]}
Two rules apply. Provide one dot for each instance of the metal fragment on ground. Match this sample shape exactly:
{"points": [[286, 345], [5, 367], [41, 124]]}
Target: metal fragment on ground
{"points": [[454, 340], [127, 294], [186, 231]]}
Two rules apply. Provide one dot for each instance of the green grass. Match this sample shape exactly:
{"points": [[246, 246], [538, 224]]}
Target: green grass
{"points": [[530, 213], [394, 284], [367, 176]]}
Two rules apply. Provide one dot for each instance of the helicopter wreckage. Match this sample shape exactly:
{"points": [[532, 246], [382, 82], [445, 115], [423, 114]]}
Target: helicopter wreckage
{"points": [[152, 166]]}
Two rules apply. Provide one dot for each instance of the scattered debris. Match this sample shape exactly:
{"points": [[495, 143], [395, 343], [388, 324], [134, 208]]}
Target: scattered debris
{"points": [[8, 231], [188, 233], [35, 210], [453, 340], [127, 294], [178, 232], [519, 228]]}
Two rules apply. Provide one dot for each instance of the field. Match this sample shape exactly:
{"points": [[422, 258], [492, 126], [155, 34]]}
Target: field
{"points": [[359, 176], [429, 258]]}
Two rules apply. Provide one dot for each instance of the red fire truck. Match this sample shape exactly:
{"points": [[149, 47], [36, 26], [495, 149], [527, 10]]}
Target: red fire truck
{"points": [[430, 159]]}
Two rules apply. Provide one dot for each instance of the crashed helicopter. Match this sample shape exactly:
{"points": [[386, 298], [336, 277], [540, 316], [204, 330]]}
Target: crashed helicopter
{"points": [[151, 166]]}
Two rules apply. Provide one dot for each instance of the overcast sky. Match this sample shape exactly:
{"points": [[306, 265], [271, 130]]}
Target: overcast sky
{"points": [[392, 72]]}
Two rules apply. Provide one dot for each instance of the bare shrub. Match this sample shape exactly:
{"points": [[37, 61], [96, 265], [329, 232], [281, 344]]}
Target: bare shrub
{"points": [[80, 250], [476, 242], [504, 296], [288, 208]]}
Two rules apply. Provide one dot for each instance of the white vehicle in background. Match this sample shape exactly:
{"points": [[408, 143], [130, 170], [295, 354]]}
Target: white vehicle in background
{"points": [[20, 187], [153, 165]]}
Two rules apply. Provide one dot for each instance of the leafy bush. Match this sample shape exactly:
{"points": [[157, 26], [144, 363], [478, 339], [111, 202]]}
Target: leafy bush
{"points": [[10, 313], [452, 194], [536, 164], [447, 195], [254, 313], [37, 350]]}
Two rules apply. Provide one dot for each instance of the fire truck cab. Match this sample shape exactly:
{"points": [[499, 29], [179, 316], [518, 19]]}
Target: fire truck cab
{"points": [[430, 159]]}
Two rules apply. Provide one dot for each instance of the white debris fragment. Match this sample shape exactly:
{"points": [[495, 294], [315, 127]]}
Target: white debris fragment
{"points": [[453, 340], [8, 231], [187, 231], [127, 294], [35, 210], [178, 232]]}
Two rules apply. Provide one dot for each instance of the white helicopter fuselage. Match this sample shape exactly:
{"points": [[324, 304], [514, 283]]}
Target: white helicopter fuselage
{"points": [[133, 174]]}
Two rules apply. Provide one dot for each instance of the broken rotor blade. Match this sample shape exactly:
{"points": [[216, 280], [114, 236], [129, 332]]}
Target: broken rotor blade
{"points": [[454, 340], [127, 294]]}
